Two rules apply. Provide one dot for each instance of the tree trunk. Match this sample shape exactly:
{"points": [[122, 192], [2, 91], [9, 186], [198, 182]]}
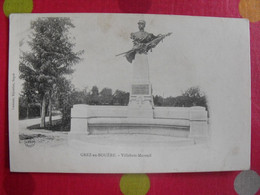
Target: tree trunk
{"points": [[50, 109], [27, 111], [43, 112]]}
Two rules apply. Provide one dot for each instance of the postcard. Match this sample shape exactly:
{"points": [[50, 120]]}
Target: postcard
{"points": [[128, 93]]}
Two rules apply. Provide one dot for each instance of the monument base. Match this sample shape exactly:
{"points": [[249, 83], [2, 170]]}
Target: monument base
{"points": [[141, 99], [140, 107], [183, 122]]}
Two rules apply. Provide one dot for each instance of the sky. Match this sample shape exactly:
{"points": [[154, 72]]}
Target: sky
{"points": [[104, 36], [182, 60]]}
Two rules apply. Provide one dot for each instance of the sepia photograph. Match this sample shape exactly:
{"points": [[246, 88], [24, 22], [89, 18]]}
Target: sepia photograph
{"points": [[128, 93]]}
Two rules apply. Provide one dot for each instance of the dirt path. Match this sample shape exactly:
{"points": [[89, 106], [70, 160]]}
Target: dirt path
{"points": [[41, 136]]}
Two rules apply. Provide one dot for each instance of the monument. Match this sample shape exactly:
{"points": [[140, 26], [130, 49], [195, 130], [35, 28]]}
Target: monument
{"points": [[140, 116], [141, 100]]}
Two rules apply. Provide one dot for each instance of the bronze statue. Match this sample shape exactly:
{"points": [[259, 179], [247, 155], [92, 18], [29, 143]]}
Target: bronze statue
{"points": [[143, 42]]}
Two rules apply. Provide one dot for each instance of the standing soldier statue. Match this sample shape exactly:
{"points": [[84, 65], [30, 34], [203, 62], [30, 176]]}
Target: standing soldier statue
{"points": [[143, 42]]}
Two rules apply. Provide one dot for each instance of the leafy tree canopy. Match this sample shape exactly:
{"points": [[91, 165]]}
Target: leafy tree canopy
{"points": [[51, 56]]}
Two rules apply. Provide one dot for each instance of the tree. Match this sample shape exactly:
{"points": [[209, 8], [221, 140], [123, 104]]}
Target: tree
{"points": [[51, 57], [106, 96], [192, 97], [64, 95], [169, 101], [158, 100], [120, 98], [79, 97], [94, 96], [27, 98], [28, 108]]}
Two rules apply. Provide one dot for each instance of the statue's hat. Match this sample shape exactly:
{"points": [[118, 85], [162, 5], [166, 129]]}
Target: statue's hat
{"points": [[141, 22]]}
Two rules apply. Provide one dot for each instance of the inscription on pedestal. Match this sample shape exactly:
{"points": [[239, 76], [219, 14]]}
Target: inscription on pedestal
{"points": [[140, 89]]}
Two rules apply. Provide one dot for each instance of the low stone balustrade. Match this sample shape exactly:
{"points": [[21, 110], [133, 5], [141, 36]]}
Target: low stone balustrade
{"points": [[171, 121]]}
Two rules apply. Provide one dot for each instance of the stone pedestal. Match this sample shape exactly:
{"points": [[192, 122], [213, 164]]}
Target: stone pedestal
{"points": [[141, 99], [198, 122]]}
